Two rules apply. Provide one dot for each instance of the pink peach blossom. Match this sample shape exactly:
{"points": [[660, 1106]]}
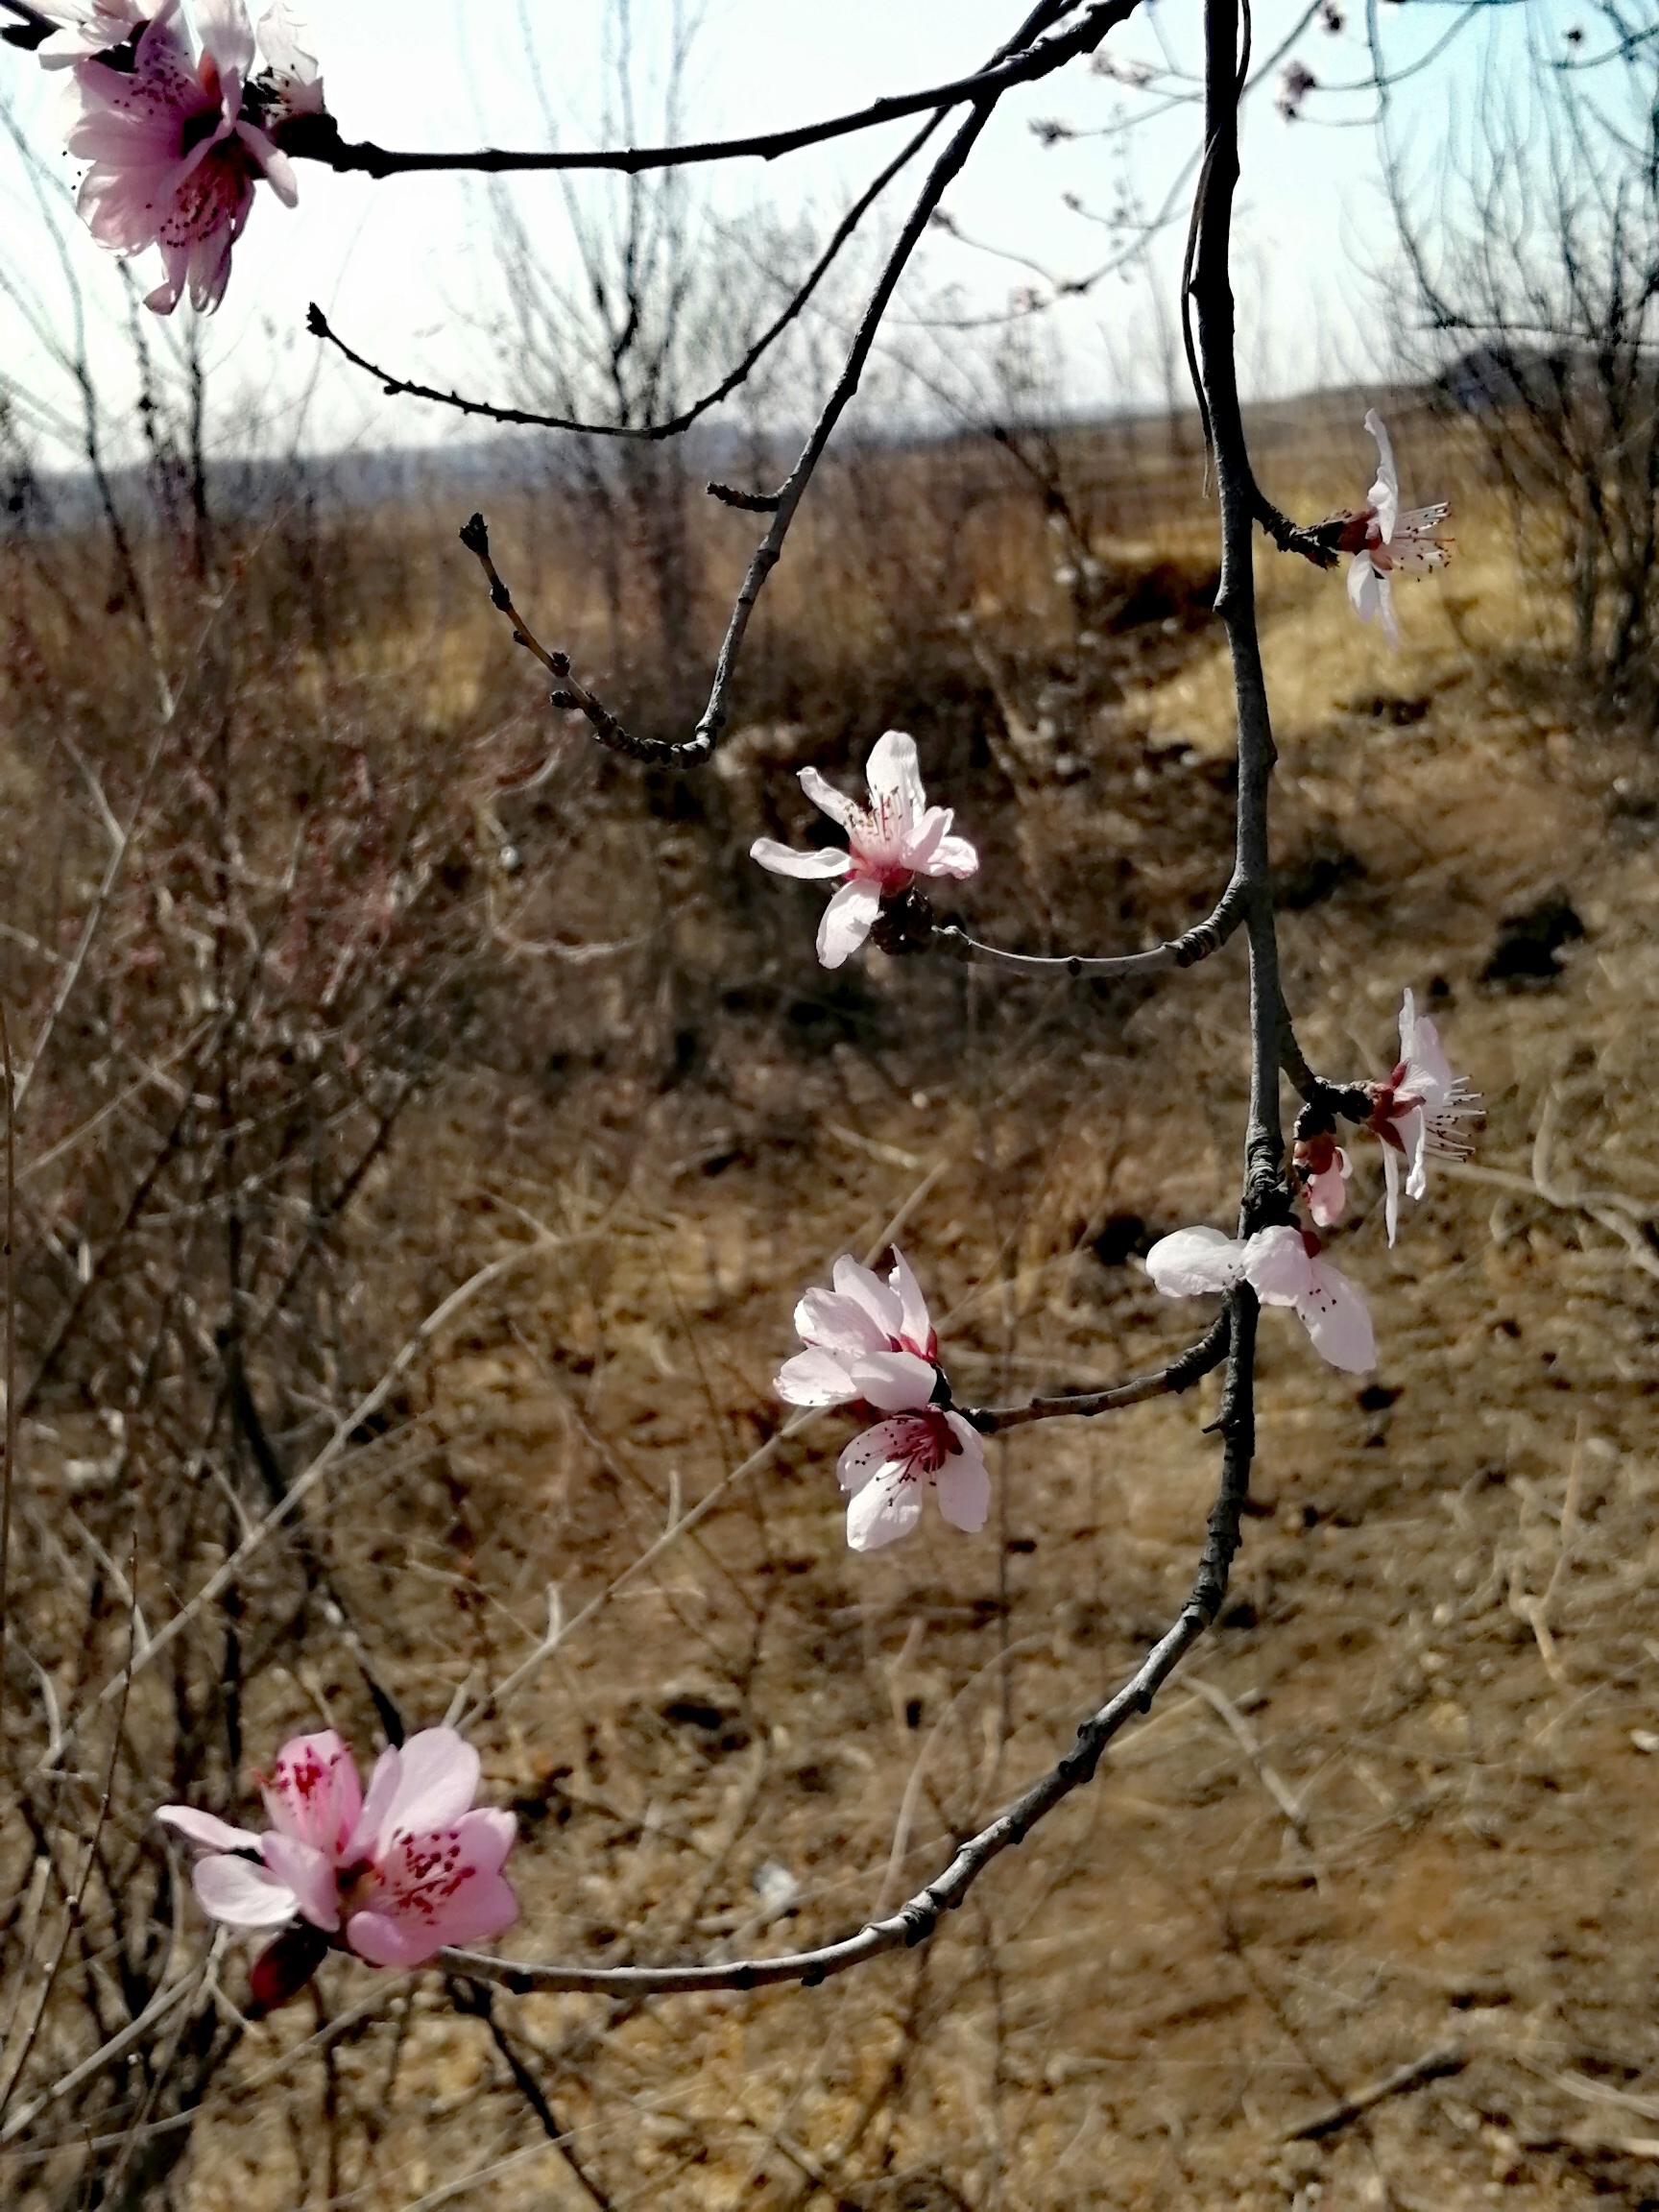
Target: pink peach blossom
{"points": [[1284, 1267], [871, 1343], [896, 837], [1419, 1110], [177, 144], [399, 1873], [1385, 541]]}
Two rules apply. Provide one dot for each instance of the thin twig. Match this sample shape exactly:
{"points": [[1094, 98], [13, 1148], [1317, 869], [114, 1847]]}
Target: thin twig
{"points": [[663, 752], [300, 1490], [1431, 2066], [396, 387], [1197, 1361], [1184, 951]]}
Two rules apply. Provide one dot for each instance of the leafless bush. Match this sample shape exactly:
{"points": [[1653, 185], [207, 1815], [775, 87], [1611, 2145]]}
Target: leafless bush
{"points": [[1537, 282]]}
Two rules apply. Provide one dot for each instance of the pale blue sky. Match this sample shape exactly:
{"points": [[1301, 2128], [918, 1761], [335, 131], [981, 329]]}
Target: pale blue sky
{"points": [[403, 265]]}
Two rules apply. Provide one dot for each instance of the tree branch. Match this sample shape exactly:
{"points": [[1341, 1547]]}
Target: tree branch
{"points": [[1184, 951], [1196, 1361], [317, 137], [918, 1917], [660, 752], [399, 387]]}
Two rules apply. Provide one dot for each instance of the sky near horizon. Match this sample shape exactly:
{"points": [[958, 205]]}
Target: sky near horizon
{"points": [[406, 267]]}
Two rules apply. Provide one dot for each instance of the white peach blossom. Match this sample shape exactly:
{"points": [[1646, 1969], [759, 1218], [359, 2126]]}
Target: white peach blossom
{"points": [[1283, 1267]]}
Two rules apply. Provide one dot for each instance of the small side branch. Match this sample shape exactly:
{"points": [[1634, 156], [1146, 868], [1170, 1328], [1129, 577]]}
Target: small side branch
{"points": [[575, 697], [1184, 951], [672, 425], [1196, 1361]]}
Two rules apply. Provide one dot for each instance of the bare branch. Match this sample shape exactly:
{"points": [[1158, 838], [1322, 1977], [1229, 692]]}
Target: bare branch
{"points": [[1184, 951], [399, 387], [1196, 1361], [918, 1917], [317, 137]]}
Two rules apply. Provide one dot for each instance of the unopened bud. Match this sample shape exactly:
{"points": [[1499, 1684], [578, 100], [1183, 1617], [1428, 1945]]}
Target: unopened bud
{"points": [[283, 1967]]}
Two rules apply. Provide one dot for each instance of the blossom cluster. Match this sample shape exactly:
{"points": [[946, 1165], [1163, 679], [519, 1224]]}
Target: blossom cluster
{"points": [[870, 1345], [178, 129]]}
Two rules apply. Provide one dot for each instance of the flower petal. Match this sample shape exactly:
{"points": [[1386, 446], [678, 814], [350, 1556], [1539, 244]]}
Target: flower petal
{"points": [[1391, 1191], [913, 1320], [437, 1782], [1277, 1265], [309, 1873], [1335, 1316], [785, 860], [207, 1828], [847, 921], [955, 857], [226, 34], [828, 800], [1385, 494], [842, 1319], [1328, 1192], [1364, 588], [1413, 1131], [486, 1909], [895, 780], [896, 1381], [962, 1484], [886, 1444], [877, 1299], [814, 1377], [1428, 1070], [887, 1507], [240, 1895], [313, 1793], [1193, 1261]]}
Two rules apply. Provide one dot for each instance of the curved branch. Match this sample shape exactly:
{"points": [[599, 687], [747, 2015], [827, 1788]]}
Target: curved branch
{"points": [[526, 418], [1196, 1361], [317, 137], [1184, 951], [918, 1917]]}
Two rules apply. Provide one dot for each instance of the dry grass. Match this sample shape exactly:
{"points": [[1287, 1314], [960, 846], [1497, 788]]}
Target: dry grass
{"points": [[1402, 1801]]}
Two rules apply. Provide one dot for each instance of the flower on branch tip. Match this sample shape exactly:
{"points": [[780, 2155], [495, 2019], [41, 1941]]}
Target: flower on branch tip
{"points": [[1420, 1109], [177, 138], [394, 1875], [1284, 1267], [1323, 1169], [1386, 541], [870, 1343], [890, 841]]}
